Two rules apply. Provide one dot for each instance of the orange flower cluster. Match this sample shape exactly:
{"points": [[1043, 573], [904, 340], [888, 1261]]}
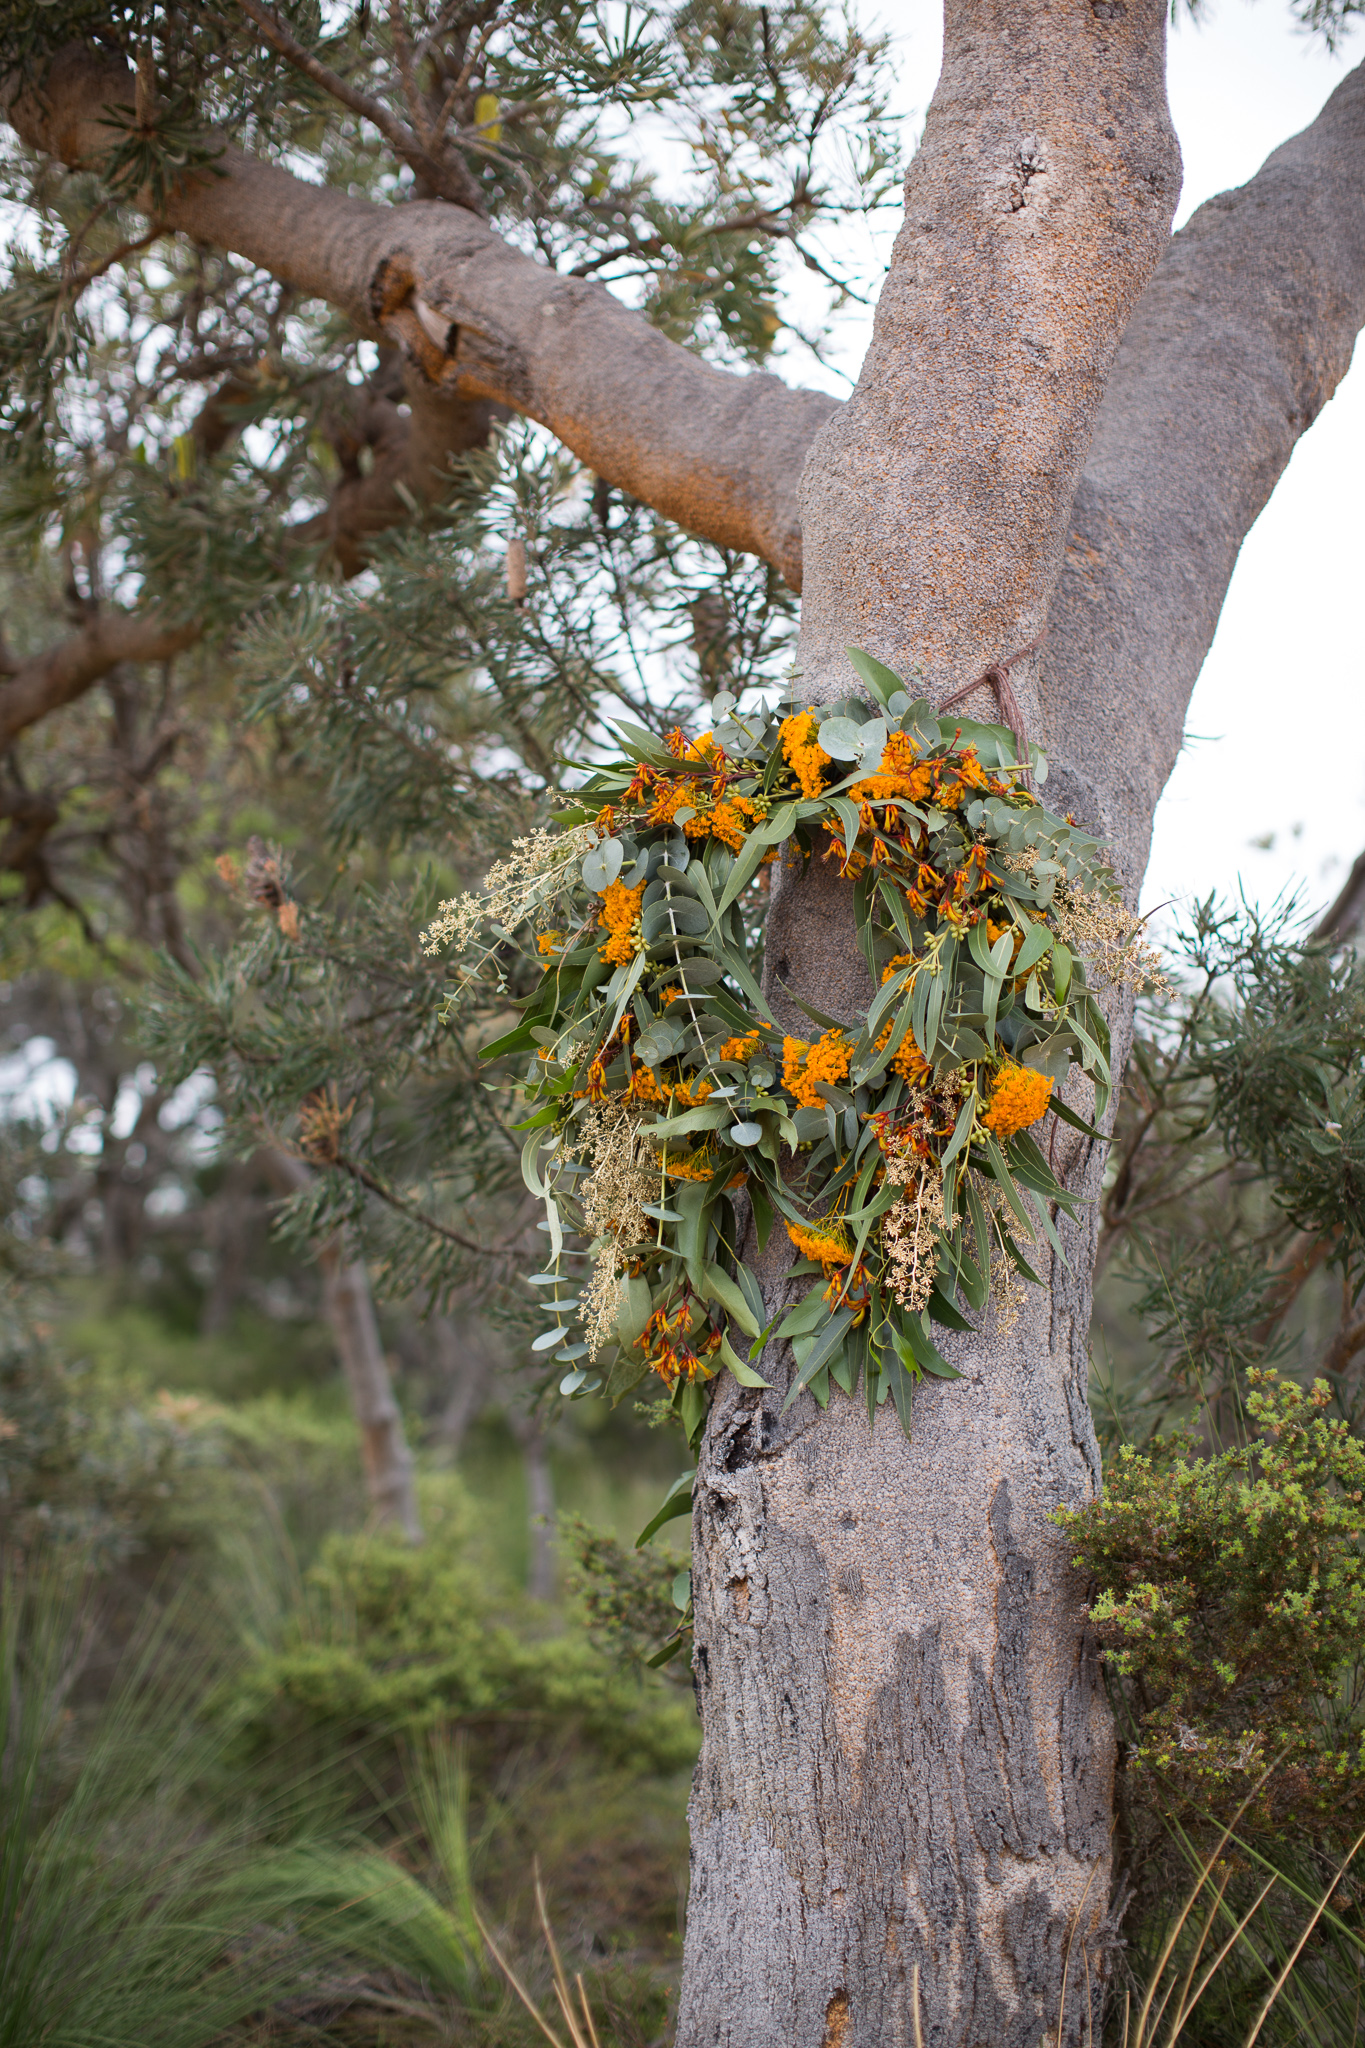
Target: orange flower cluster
{"points": [[741, 1048], [729, 822], [803, 1065], [688, 1097], [827, 1243], [1018, 1098], [671, 798], [698, 1165], [549, 943], [664, 1343], [802, 751], [620, 915]]}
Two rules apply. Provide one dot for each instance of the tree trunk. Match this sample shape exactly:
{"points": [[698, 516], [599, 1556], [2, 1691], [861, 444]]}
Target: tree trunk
{"points": [[389, 1477], [904, 1792], [349, 1309]]}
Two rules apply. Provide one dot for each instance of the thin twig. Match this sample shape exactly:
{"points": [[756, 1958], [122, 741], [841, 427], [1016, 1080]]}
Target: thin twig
{"points": [[447, 175]]}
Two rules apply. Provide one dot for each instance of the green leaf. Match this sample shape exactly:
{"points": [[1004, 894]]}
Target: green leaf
{"points": [[677, 1501], [822, 1349], [1037, 942], [745, 1374], [764, 1216], [902, 1387], [927, 1356], [718, 1286], [881, 680], [962, 1129], [518, 1039], [753, 1293], [1006, 1181], [806, 1316], [848, 816]]}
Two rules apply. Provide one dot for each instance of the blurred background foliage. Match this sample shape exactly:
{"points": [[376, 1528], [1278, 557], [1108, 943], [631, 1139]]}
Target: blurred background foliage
{"points": [[260, 1305]]}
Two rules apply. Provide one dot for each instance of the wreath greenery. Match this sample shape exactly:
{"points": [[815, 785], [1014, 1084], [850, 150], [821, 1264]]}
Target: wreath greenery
{"points": [[671, 1121]]}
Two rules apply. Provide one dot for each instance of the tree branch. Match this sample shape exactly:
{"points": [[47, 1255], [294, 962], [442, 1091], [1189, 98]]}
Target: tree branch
{"points": [[719, 453], [1235, 347], [68, 670]]}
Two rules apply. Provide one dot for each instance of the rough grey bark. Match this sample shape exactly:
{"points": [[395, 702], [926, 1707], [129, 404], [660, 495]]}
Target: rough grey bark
{"points": [[900, 1819]]}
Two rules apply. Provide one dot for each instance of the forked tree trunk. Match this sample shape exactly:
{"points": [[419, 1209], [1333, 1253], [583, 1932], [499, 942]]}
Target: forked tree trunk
{"points": [[905, 1785]]}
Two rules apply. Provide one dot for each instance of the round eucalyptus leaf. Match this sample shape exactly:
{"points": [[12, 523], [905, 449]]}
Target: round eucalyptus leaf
{"points": [[546, 1339], [636, 873], [745, 1133], [572, 1381], [602, 866], [841, 739], [873, 737], [723, 701]]}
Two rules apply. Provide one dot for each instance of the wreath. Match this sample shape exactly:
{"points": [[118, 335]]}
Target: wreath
{"points": [[671, 1122]]}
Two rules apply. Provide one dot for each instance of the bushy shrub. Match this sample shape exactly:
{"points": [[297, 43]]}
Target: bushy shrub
{"points": [[81, 1461], [627, 1596], [1230, 1600], [390, 1642]]}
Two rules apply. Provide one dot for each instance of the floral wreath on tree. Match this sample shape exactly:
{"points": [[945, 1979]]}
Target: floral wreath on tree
{"points": [[671, 1121]]}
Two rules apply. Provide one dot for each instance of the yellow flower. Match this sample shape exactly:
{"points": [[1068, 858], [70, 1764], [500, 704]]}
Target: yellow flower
{"points": [[803, 1065], [1018, 1098], [741, 1048], [826, 1243], [620, 914], [802, 751]]}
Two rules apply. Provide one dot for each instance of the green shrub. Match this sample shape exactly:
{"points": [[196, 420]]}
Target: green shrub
{"points": [[1230, 1601], [388, 1642], [627, 1596]]}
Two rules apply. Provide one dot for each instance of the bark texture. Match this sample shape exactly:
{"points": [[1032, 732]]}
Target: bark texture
{"points": [[905, 1783]]}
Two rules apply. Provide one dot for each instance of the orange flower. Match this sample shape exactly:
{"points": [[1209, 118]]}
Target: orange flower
{"points": [[620, 914], [728, 822], [664, 1343], [671, 798], [741, 1048], [548, 943], [688, 1098], [828, 1060], [802, 751], [1018, 1098], [825, 1242], [899, 757]]}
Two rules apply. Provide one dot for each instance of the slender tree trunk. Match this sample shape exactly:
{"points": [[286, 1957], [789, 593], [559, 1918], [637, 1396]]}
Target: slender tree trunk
{"points": [[349, 1309], [540, 1503], [905, 1786]]}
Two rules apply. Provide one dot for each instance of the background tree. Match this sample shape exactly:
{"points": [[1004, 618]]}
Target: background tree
{"points": [[1058, 404]]}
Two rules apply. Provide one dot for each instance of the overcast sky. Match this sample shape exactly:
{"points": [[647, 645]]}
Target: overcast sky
{"points": [[1242, 803]]}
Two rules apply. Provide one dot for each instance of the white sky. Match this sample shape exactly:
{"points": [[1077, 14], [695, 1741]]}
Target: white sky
{"points": [[1290, 636]]}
